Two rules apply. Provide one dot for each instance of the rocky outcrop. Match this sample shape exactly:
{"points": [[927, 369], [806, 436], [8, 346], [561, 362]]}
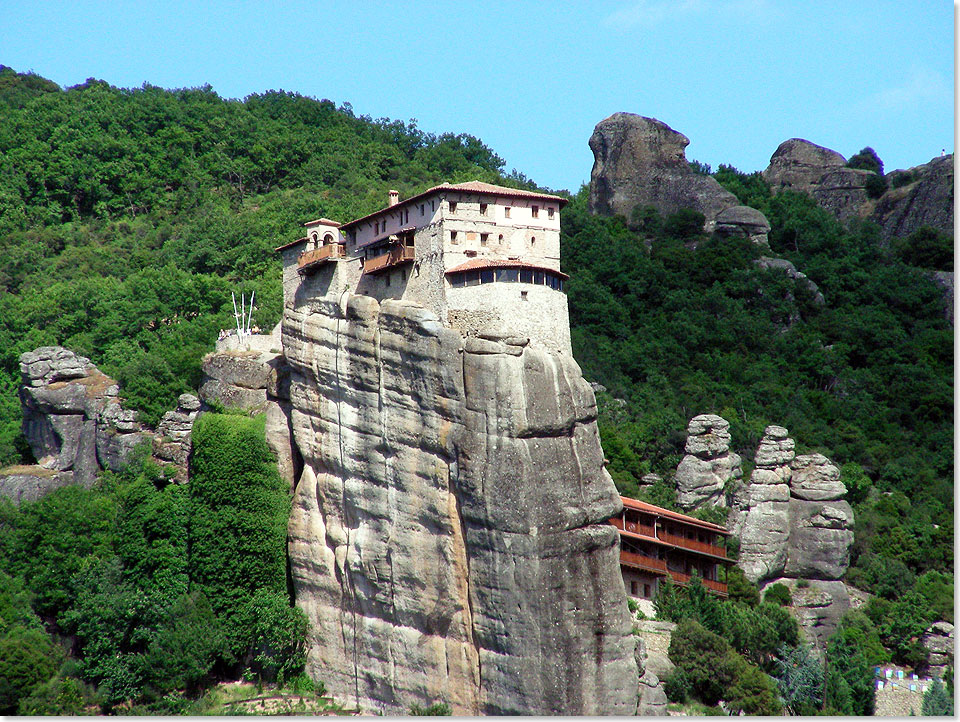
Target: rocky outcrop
{"points": [[76, 426], [641, 162], [791, 518], [743, 221], [941, 643], [708, 465], [782, 264], [926, 201], [798, 165], [818, 606], [254, 377], [448, 539], [944, 281], [763, 506]]}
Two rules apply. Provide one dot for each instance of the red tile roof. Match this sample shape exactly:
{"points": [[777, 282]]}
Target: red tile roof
{"points": [[638, 505], [476, 264], [468, 187]]}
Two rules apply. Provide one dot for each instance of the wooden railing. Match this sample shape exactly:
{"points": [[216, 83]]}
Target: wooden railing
{"points": [[393, 257], [633, 527], [681, 578], [692, 544], [320, 255], [644, 562]]}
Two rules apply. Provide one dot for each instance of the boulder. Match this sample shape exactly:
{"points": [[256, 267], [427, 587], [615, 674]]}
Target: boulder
{"points": [[653, 700], [450, 519], [941, 643], [708, 465], [29, 483], [818, 607], [782, 264], [743, 221], [815, 478], [798, 165], [641, 162], [842, 191], [821, 534]]}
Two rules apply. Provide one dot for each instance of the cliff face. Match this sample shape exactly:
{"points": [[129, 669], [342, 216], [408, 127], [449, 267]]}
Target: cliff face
{"points": [[448, 539]]}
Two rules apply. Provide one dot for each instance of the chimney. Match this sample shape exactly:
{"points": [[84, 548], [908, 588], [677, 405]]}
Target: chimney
{"points": [[394, 198]]}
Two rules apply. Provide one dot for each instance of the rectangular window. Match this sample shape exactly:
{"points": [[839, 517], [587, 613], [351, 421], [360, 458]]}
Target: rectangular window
{"points": [[376, 228], [432, 207], [406, 215], [387, 283], [535, 211], [633, 588], [550, 213], [453, 237], [506, 211], [538, 277], [453, 206], [472, 278], [421, 210], [484, 237], [646, 591], [486, 276], [526, 276], [483, 209]]}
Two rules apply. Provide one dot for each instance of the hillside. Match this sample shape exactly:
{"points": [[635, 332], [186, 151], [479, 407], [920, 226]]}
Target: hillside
{"points": [[127, 217]]}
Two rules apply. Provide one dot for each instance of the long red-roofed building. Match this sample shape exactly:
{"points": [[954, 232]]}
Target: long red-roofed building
{"points": [[656, 543]]}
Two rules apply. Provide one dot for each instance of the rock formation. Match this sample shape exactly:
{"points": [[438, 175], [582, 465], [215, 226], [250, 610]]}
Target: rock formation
{"points": [[641, 162], [818, 607], [940, 641], [791, 517], [743, 221], [76, 426], [944, 281], [782, 264], [798, 165], [448, 539], [254, 376], [708, 465], [927, 200]]}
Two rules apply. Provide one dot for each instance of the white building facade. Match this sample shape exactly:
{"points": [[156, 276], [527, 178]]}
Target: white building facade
{"points": [[484, 258]]}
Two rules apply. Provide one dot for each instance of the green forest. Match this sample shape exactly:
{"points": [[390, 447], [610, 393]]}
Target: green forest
{"points": [[127, 217]]}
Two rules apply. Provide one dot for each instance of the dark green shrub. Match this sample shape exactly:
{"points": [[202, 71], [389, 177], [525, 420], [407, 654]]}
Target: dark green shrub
{"points": [[898, 179], [57, 696], [778, 594], [676, 685], [867, 159], [741, 589], [685, 223], [875, 186], [437, 709], [28, 658], [700, 654]]}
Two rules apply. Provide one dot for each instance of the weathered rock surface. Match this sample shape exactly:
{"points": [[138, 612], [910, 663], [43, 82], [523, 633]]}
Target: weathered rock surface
{"points": [[818, 607], [448, 538], [802, 166], [791, 271], [258, 381], [641, 161], [708, 464], [743, 221], [763, 521], [791, 518], [798, 165], [944, 280], [941, 642], [927, 201], [76, 426]]}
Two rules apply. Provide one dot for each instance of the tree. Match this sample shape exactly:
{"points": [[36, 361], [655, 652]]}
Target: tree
{"points": [[867, 159], [27, 659], [685, 223], [848, 676], [799, 676], [936, 701], [778, 594], [700, 654]]}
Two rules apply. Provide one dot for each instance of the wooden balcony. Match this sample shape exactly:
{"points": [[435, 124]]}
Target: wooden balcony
{"points": [[671, 539], [643, 562], [311, 260], [396, 256], [692, 544], [633, 527], [718, 587]]}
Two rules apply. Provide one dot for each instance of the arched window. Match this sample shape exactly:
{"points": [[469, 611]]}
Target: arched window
{"points": [[327, 239]]}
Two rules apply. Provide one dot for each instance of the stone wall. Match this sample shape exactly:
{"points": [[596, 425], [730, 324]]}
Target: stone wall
{"points": [[449, 538]]}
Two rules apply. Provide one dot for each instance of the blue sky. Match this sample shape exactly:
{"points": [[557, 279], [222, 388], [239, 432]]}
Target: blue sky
{"points": [[532, 79]]}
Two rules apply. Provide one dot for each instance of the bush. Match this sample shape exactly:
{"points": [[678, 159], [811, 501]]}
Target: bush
{"points": [[437, 709], [778, 594], [741, 589], [700, 654], [685, 223], [899, 179], [27, 659], [867, 159], [876, 186], [676, 685]]}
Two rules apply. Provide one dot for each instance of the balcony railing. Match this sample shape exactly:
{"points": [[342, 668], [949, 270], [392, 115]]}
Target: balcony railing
{"points": [[394, 257], [633, 527], [692, 544], [672, 539], [643, 562], [681, 578], [318, 256]]}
